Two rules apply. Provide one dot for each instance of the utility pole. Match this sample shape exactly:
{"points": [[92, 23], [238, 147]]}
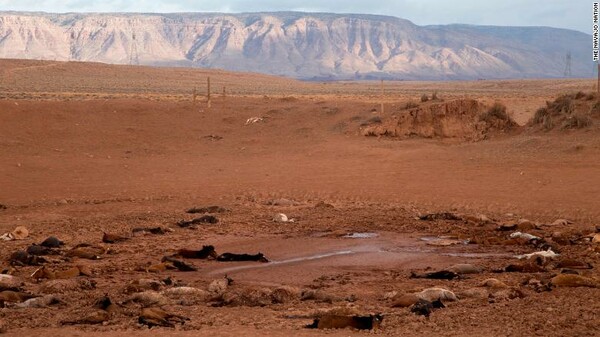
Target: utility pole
{"points": [[133, 52], [568, 65]]}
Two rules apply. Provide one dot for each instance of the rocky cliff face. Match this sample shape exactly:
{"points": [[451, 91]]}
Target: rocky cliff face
{"points": [[301, 45]]}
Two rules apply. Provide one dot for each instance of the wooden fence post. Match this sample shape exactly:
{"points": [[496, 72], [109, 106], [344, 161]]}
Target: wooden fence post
{"points": [[208, 93], [382, 95]]}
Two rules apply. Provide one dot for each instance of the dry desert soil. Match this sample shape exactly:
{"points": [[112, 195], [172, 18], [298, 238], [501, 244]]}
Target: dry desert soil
{"points": [[87, 149]]}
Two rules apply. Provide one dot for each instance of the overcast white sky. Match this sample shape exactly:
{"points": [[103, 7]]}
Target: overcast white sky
{"points": [[571, 14]]}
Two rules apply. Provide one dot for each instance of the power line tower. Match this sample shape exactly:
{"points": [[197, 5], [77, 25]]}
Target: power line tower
{"points": [[133, 52], [568, 65]]}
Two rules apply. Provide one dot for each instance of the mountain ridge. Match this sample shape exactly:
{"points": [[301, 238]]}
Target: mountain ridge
{"points": [[300, 45]]}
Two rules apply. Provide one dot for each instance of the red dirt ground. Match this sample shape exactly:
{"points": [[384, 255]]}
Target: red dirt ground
{"points": [[74, 167]]}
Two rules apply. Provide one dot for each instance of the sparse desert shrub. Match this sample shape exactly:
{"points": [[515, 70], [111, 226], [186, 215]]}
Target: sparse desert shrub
{"points": [[411, 105], [547, 122], [424, 98], [496, 111], [579, 95], [540, 115], [595, 109], [434, 96], [590, 96], [543, 117], [577, 121], [563, 104]]}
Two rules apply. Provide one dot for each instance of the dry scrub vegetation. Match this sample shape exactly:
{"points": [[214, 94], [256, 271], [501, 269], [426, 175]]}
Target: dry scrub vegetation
{"points": [[568, 111]]}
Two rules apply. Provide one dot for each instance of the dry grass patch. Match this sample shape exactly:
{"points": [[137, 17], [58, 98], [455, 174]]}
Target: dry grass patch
{"points": [[497, 116], [569, 111], [577, 121]]}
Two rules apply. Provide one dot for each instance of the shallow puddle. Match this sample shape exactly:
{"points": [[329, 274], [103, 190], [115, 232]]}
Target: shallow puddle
{"points": [[361, 235], [477, 255], [283, 262], [359, 250], [443, 240]]}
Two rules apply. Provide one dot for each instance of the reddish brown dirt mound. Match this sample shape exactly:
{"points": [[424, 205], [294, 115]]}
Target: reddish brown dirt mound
{"points": [[571, 111], [465, 119]]}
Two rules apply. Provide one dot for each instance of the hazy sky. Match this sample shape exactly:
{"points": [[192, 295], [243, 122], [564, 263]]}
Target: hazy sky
{"points": [[572, 14]]}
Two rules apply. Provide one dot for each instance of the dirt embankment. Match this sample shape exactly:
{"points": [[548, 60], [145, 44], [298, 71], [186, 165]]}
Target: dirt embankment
{"points": [[464, 119], [472, 120]]}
